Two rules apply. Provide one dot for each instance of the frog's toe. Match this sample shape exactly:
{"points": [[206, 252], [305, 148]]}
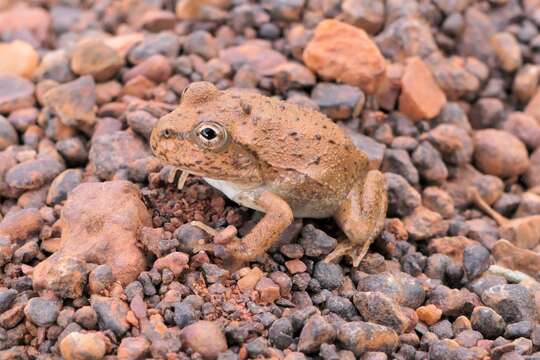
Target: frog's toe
{"points": [[355, 253], [342, 249]]}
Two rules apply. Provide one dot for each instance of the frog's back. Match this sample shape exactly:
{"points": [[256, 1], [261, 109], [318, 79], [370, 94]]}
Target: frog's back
{"points": [[309, 159]]}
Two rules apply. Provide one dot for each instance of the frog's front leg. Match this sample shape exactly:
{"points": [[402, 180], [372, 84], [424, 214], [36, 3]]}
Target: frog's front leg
{"points": [[278, 216], [361, 217]]}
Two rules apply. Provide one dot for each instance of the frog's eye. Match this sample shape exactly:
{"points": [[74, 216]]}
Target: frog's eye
{"points": [[210, 135], [167, 133]]}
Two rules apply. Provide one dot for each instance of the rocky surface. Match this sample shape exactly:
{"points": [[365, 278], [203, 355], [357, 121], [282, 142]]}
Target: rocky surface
{"points": [[98, 256]]}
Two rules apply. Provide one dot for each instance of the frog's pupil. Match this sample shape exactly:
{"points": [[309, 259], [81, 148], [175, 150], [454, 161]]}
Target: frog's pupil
{"points": [[208, 133]]}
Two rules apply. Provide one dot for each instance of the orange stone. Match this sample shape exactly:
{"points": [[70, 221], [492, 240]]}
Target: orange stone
{"points": [[268, 290], [296, 266], [342, 52], [251, 279], [429, 314], [18, 58], [421, 97]]}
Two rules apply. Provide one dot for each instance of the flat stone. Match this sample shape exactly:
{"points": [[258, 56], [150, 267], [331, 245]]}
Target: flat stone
{"points": [[77, 346], [33, 174], [421, 96], [360, 337], [95, 58], [74, 103], [106, 234], [339, 51], [204, 337], [15, 93], [117, 151], [20, 18], [500, 153]]}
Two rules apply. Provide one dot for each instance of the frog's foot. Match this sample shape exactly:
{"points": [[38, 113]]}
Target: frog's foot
{"points": [[207, 229], [355, 253], [179, 179], [278, 215]]}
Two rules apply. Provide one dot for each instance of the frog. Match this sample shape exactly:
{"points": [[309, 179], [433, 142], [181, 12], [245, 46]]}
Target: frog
{"points": [[282, 159]]}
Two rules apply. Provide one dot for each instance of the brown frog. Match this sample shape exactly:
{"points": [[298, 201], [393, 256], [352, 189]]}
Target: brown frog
{"points": [[276, 157]]}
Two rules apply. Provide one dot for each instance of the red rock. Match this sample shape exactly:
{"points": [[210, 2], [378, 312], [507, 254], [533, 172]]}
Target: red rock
{"points": [[268, 290], [296, 266], [133, 348], [139, 87], [525, 82], [342, 52], [15, 93], [22, 17], [249, 280], [123, 43], [105, 234], [20, 225], [204, 337], [452, 246], [429, 314], [423, 224], [74, 102], [156, 68], [500, 153], [507, 50], [421, 97], [157, 20], [79, 346], [18, 58], [201, 9], [93, 57], [176, 262]]}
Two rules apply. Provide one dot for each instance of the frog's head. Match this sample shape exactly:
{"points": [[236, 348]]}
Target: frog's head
{"points": [[199, 137]]}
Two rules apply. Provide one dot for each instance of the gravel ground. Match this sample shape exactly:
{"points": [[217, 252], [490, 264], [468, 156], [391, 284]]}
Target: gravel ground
{"points": [[98, 259]]}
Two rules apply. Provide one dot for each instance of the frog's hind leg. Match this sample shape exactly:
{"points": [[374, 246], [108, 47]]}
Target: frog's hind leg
{"points": [[361, 217]]}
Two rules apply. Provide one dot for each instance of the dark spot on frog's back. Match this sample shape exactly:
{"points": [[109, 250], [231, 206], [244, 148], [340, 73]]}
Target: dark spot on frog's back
{"points": [[317, 137], [331, 142]]}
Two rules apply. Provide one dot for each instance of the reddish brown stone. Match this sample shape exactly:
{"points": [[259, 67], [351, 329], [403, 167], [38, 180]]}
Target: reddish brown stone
{"points": [[22, 17], [15, 93], [500, 153], [204, 337], [421, 97], [201, 9], [95, 58], [429, 314], [452, 246], [77, 346], [342, 52], [268, 290], [176, 262], [250, 279], [18, 58], [105, 234]]}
